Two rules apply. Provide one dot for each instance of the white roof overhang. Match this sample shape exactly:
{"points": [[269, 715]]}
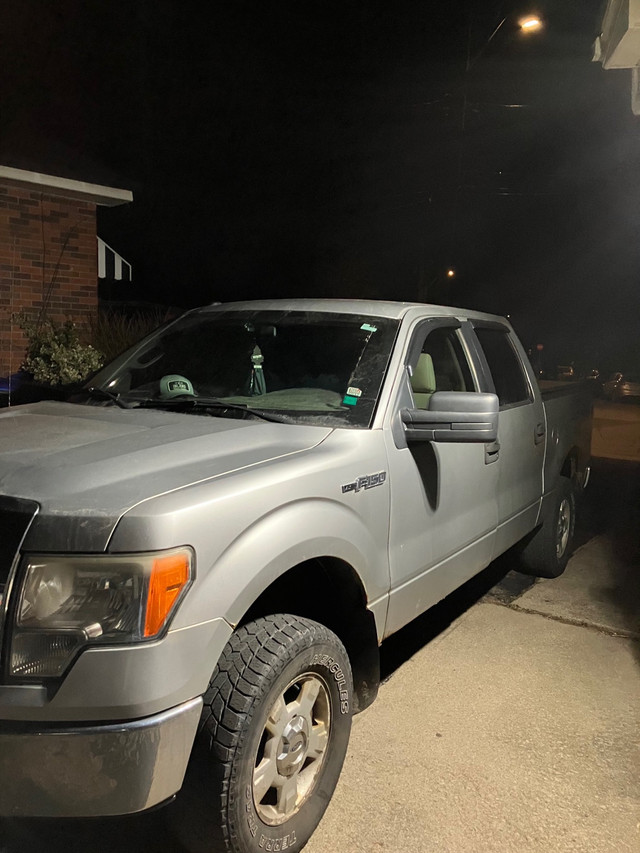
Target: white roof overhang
{"points": [[618, 45], [66, 187]]}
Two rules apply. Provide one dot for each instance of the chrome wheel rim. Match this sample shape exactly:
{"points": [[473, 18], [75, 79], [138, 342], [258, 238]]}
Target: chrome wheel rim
{"points": [[564, 528], [292, 749]]}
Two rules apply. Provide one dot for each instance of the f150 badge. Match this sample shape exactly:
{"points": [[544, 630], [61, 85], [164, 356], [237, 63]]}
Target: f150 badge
{"points": [[370, 481]]}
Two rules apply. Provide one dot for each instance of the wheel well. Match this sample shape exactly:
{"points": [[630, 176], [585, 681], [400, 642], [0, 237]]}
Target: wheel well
{"points": [[329, 591]]}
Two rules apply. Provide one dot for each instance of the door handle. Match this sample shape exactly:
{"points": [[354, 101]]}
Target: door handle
{"points": [[491, 452], [539, 433]]}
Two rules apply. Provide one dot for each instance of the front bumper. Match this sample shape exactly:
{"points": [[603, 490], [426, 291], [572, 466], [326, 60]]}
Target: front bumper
{"points": [[95, 771]]}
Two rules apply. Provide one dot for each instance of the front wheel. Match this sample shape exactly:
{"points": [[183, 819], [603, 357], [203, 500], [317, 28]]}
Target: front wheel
{"points": [[546, 553], [273, 739]]}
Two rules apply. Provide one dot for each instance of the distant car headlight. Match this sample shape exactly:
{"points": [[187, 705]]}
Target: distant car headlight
{"points": [[69, 602]]}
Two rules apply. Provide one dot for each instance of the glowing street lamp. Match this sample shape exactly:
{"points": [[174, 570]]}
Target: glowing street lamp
{"points": [[527, 24], [530, 24]]}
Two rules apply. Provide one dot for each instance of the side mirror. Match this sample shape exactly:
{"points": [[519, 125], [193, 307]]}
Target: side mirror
{"points": [[454, 416]]}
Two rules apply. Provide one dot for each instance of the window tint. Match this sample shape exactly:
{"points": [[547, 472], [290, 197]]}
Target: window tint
{"points": [[442, 366], [504, 364], [450, 364], [314, 367]]}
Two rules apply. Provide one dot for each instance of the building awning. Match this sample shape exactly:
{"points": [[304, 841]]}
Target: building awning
{"points": [[111, 264], [66, 187]]}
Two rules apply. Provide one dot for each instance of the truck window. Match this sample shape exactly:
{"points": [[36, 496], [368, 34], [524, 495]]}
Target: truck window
{"points": [[442, 366], [311, 366], [505, 366]]}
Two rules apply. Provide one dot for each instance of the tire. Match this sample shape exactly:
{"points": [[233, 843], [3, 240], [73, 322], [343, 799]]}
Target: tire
{"points": [[273, 737], [546, 553]]}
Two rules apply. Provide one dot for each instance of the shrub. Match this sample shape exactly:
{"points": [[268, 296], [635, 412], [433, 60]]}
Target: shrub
{"points": [[55, 354]]}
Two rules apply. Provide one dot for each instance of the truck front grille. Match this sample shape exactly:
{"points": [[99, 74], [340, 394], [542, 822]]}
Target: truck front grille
{"points": [[15, 517]]}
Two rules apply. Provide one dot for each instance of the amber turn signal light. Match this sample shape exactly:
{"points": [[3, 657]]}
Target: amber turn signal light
{"points": [[169, 576]]}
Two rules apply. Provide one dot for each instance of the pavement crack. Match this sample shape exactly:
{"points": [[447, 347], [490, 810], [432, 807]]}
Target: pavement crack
{"points": [[567, 620]]}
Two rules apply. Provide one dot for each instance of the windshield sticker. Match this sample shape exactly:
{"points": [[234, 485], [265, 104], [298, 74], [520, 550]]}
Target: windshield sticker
{"points": [[370, 481], [349, 400], [354, 392], [365, 327]]}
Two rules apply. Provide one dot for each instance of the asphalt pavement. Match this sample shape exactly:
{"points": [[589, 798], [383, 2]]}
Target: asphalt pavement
{"points": [[508, 720]]}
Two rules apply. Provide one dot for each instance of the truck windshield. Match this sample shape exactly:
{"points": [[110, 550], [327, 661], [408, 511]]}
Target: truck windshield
{"points": [[305, 367]]}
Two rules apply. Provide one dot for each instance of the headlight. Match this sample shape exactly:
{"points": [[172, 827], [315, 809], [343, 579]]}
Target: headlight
{"points": [[67, 603]]}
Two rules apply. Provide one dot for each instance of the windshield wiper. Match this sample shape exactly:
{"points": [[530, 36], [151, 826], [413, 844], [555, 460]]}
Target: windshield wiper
{"points": [[102, 394], [204, 403]]}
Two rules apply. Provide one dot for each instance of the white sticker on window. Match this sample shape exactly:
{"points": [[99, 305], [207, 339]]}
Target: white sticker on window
{"points": [[354, 392]]}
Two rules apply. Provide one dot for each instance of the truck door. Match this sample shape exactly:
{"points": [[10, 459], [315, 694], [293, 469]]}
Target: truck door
{"points": [[443, 496], [521, 433]]}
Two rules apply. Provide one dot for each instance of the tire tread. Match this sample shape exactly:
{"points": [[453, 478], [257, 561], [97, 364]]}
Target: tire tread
{"points": [[253, 651]]}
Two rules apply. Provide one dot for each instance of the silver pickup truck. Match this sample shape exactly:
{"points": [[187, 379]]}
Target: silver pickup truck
{"points": [[202, 552]]}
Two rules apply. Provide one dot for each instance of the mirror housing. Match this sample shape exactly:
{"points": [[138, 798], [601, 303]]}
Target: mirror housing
{"points": [[454, 416]]}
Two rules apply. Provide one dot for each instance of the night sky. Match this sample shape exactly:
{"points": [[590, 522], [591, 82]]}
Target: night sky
{"points": [[342, 149]]}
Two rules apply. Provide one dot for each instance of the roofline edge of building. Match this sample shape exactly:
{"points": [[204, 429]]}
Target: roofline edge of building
{"points": [[102, 195]]}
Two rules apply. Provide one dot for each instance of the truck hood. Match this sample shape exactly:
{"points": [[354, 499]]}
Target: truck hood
{"points": [[87, 465]]}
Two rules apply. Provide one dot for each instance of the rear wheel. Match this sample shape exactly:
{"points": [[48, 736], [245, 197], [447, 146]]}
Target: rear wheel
{"points": [[546, 553], [273, 739]]}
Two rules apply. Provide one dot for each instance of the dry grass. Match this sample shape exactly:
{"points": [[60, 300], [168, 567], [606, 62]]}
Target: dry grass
{"points": [[112, 332]]}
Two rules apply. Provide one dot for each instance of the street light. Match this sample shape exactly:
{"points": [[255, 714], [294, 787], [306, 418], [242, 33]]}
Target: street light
{"points": [[530, 24], [527, 24]]}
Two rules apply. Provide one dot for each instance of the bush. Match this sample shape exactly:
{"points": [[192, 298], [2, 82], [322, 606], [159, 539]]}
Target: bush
{"points": [[55, 353]]}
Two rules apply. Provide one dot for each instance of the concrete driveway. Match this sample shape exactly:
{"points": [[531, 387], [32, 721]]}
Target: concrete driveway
{"points": [[509, 719], [518, 727]]}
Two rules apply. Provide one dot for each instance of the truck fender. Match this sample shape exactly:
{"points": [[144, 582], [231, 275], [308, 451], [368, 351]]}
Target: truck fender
{"points": [[280, 540]]}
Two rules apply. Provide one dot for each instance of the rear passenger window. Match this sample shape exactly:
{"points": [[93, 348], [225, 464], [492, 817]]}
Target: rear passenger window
{"points": [[505, 366]]}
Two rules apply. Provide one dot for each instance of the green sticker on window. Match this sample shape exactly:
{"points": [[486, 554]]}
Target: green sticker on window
{"points": [[348, 400], [368, 328]]}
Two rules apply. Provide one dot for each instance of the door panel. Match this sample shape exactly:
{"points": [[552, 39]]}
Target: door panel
{"points": [[520, 433], [443, 496], [443, 520], [520, 480]]}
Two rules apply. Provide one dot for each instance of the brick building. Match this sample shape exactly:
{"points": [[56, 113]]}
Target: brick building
{"points": [[48, 252]]}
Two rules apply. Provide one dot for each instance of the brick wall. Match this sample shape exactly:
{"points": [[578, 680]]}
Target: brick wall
{"points": [[48, 263]]}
